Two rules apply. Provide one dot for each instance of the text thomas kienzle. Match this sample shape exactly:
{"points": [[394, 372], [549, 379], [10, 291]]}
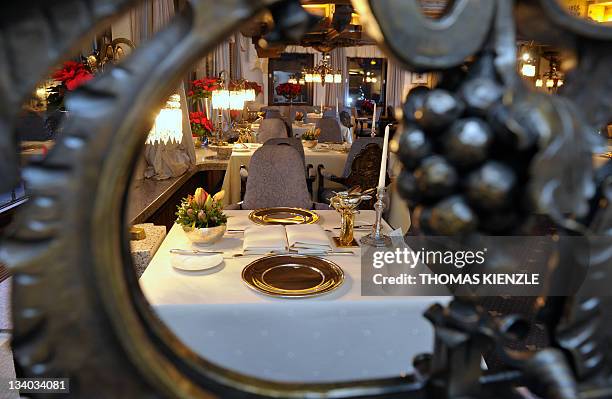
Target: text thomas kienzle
{"points": [[457, 259]]}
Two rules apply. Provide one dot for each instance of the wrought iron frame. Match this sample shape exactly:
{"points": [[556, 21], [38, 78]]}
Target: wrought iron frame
{"points": [[78, 311]]}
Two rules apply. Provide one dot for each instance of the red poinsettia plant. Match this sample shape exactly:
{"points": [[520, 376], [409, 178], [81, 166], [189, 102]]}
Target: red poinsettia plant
{"points": [[200, 125], [366, 106], [203, 88], [71, 75], [289, 90]]}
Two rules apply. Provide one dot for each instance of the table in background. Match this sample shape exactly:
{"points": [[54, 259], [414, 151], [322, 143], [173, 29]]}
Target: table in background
{"points": [[338, 336], [332, 160], [300, 129]]}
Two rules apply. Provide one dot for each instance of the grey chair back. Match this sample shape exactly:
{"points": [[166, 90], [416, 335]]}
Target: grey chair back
{"points": [[276, 179], [345, 119], [272, 113], [358, 145], [330, 130], [271, 128], [291, 142], [330, 113]]}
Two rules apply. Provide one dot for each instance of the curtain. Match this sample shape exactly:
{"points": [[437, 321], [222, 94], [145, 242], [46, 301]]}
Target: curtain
{"points": [[336, 93], [171, 159], [397, 80]]}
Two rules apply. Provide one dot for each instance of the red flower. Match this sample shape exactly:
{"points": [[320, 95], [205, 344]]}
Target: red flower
{"points": [[200, 124], [288, 89], [201, 88], [73, 74]]}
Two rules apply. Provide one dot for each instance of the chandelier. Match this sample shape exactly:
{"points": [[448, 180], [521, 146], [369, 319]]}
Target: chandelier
{"points": [[322, 73], [234, 96], [551, 79]]}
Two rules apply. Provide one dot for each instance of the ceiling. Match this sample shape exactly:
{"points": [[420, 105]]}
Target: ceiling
{"points": [[339, 26]]}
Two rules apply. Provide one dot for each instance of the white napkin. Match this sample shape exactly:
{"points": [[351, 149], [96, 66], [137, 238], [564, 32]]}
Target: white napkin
{"points": [[264, 239], [235, 222], [308, 239]]}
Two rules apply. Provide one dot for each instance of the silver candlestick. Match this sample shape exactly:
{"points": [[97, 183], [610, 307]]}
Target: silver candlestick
{"points": [[376, 238]]}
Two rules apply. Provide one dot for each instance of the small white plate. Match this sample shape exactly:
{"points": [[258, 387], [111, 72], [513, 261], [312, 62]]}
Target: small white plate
{"points": [[194, 263]]}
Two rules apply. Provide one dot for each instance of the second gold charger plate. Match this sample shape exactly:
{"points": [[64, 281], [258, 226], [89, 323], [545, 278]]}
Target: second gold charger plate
{"points": [[283, 216], [292, 276]]}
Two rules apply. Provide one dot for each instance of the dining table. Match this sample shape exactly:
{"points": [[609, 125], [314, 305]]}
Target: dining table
{"points": [[341, 335], [332, 160]]}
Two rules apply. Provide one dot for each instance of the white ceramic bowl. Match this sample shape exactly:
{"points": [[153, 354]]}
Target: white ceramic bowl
{"points": [[205, 236], [310, 143]]}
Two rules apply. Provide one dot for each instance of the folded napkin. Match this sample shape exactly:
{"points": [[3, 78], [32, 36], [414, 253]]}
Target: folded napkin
{"points": [[264, 239], [308, 239], [237, 222]]}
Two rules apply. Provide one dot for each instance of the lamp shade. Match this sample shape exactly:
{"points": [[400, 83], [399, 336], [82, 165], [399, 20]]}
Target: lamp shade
{"points": [[250, 95], [236, 99], [168, 124], [220, 99], [528, 70]]}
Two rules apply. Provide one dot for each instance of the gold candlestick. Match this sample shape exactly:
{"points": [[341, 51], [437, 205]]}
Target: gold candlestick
{"points": [[347, 204]]}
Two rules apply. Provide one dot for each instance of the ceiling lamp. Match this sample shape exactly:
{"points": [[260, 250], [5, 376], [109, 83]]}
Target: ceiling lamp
{"points": [[322, 73]]}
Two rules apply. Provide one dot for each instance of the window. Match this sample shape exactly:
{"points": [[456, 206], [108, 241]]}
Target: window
{"points": [[367, 83], [281, 70]]}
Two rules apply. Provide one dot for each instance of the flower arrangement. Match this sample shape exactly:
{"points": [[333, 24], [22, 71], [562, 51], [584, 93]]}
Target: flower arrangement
{"points": [[311, 134], [289, 90], [201, 210], [201, 126], [71, 75], [203, 88], [366, 106]]}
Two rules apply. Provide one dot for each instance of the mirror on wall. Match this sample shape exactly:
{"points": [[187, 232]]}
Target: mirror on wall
{"points": [[288, 68], [367, 82]]}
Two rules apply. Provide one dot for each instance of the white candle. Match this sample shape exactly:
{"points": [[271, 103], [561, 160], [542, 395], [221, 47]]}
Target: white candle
{"points": [[337, 107], [374, 119], [383, 163]]}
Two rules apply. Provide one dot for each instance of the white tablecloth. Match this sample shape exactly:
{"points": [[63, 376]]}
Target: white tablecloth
{"points": [[332, 160], [338, 336]]}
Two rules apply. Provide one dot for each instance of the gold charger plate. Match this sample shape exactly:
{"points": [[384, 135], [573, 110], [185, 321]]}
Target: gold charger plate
{"points": [[283, 216], [292, 276]]}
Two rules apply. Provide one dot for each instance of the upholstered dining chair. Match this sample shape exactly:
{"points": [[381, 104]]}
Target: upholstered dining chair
{"points": [[362, 168], [345, 119], [330, 130], [330, 113], [276, 179], [271, 128], [297, 144]]}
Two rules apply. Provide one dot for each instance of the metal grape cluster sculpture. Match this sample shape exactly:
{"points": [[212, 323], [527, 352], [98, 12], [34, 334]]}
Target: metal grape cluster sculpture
{"points": [[466, 162], [482, 154]]}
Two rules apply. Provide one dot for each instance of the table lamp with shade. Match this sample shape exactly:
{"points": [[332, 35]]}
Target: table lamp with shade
{"points": [[165, 154]]}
